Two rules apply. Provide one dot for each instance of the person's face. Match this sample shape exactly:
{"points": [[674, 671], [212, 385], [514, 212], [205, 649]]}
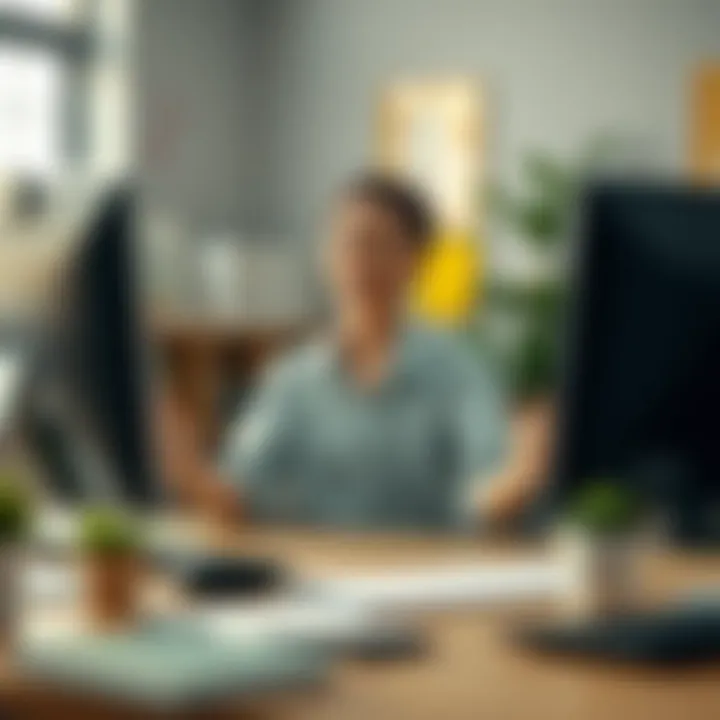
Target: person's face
{"points": [[370, 260]]}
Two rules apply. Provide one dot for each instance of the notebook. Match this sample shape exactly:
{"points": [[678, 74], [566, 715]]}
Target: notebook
{"points": [[172, 665]]}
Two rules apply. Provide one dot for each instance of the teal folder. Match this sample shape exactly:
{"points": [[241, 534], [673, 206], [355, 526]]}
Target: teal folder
{"points": [[169, 666]]}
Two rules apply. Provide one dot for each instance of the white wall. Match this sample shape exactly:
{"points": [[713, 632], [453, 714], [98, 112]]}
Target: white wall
{"points": [[195, 101], [553, 72], [270, 102]]}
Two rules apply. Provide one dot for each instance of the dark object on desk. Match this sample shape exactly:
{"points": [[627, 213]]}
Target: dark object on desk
{"points": [[667, 637], [642, 389], [223, 577], [388, 644]]}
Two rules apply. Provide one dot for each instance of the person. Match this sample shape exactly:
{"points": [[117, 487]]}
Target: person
{"points": [[381, 423]]}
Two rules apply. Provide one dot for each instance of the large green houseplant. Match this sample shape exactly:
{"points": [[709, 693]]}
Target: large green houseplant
{"points": [[540, 215]]}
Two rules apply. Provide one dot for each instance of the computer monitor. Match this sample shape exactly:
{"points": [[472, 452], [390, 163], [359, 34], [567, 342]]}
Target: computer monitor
{"points": [[641, 396], [87, 417]]}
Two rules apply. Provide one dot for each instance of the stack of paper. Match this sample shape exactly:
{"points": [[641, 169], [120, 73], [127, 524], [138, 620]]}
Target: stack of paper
{"points": [[431, 588]]}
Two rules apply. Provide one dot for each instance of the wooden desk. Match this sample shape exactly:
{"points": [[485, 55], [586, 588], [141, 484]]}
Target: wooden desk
{"points": [[473, 671]]}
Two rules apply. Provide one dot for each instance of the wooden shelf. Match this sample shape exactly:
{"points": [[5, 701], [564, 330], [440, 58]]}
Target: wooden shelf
{"points": [[203, 358]]}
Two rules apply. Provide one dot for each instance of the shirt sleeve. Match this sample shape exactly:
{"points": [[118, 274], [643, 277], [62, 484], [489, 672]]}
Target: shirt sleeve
{"points": [[259, 448], [482, 430]]}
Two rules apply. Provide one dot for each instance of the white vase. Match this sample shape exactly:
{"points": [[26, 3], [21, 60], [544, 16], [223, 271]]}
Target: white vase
{"points": [[222, 277], [602, 574], [10, 565]]}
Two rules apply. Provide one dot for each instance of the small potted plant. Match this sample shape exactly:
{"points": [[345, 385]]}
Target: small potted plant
{"points": [[598, 542], [15, 514], [111, 548]]}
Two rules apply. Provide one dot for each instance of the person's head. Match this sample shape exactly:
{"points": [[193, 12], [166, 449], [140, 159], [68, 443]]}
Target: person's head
{"points": [[379, 230]]}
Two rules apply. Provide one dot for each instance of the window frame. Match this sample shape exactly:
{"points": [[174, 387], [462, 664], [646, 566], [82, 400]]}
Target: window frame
{"points": [[73, 42]]}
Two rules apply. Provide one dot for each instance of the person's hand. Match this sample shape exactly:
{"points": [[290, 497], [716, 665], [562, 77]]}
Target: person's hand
{"points": [[506, 494], [219, 502], [194, 481]]}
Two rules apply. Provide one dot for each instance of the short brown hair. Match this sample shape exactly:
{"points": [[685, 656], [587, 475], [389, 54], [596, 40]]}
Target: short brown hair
{"points": [[406, 202]]}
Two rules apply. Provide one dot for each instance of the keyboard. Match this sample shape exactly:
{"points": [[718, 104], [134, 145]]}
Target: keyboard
{"points": [[670, 636]]}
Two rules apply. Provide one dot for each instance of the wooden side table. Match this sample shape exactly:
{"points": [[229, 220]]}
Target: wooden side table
{"points": [[202, 358]]}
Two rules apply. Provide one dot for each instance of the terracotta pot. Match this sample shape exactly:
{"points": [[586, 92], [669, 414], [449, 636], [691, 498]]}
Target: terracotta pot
{"points": [[112, 586]]}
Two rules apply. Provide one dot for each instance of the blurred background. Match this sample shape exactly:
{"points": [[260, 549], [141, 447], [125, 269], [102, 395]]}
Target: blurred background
{"points": [[234, 122], [236, 119]]}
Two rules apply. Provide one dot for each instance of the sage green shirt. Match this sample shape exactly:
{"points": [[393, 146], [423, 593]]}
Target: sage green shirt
{"points": [[314, 448]]}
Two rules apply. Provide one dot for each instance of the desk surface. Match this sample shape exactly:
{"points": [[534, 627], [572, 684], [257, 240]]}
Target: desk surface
{"points": [[472, 672]]}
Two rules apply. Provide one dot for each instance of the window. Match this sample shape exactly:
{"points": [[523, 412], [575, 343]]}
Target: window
{"points": [[65, 90], [31, 111], [44, 9], [34, 74]]}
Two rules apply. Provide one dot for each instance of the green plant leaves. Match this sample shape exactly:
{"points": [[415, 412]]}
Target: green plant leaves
{"points": [[107, 531], [605, 507], [540, 213], [15, 510]]}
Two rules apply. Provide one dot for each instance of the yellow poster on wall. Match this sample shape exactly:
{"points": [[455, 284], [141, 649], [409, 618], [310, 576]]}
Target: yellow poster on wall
{"points": [[705, 125], [430, 132], [447, 285]]}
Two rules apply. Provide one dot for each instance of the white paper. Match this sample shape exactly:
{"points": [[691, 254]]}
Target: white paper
{"points": [[50, 582], [477, 584], [10, 373], [288, 617], [343, 609]]}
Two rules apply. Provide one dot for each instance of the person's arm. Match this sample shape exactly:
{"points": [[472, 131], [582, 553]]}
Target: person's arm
{"points": [[193, 480], [508, 492], [259, 452], [503, 461], [481, 428]]}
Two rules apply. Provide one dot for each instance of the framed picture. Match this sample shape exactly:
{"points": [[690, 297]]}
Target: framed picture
{"points": [[431, 131]]}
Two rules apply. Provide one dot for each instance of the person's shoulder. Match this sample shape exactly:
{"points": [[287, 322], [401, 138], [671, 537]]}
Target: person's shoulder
{"points": [[437, 345], [449, 352]]}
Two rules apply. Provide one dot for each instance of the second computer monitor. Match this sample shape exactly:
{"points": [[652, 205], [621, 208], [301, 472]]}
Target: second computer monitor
{"points": [[642, 391]]}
